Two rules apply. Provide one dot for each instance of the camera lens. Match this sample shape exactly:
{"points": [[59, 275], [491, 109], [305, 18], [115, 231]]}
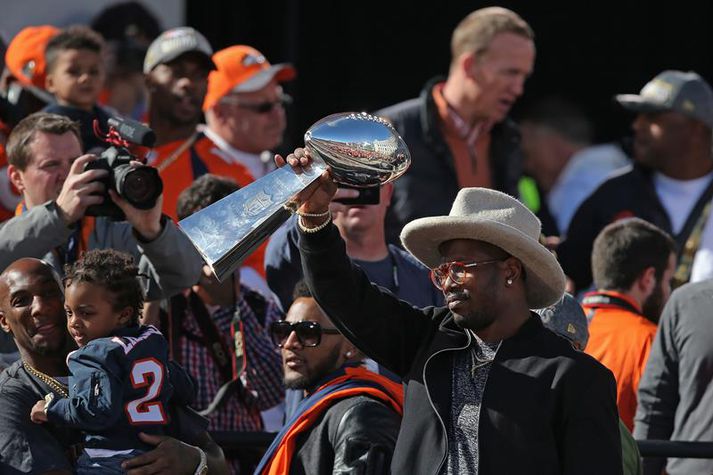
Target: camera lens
{"points": [[139, 186]]}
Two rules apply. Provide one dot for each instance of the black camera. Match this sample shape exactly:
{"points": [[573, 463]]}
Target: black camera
{"points": [[367, 196], [140, 186]]}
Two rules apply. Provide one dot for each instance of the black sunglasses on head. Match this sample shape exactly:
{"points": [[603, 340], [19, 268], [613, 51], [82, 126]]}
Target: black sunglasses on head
{"points": [[308, 333]]}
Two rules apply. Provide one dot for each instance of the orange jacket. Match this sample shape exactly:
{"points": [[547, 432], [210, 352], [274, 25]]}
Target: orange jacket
{"points": [[278, 457], [620, 338], [193, 161], [196, 159]]}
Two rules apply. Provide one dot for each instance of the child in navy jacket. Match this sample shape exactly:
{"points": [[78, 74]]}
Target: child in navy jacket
{"points": [[120, 381]]}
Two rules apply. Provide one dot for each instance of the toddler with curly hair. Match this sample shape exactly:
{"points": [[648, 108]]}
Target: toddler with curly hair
{"points": [[120, 381]]}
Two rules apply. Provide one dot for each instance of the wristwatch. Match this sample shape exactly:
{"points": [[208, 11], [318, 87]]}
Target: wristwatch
{"points": [[202, 468]]}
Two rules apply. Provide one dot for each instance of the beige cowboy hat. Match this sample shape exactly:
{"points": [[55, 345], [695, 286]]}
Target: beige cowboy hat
{"points": [[498, 219]]}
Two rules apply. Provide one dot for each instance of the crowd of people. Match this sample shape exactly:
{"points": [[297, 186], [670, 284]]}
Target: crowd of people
{"points": [[522, 300]]}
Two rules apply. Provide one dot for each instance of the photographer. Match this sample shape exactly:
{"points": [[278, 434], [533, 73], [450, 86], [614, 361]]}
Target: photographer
{"points": [[51, 221]]}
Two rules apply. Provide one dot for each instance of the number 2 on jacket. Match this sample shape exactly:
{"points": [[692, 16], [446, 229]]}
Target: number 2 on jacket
{"points": [[147, 372]]}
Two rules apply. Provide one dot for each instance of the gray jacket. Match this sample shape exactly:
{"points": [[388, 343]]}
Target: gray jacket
{"points": [[676, 390], [170, 260]]}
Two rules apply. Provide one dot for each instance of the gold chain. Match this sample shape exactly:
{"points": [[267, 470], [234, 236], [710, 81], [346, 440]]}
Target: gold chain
{"points": [[56, 386]]}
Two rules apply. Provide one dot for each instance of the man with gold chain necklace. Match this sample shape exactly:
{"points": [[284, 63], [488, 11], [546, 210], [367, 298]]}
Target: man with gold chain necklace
{"points": [[32, 311]]}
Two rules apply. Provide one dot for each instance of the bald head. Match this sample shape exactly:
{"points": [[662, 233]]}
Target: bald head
{"points": [[24, 268], [32, 307]]}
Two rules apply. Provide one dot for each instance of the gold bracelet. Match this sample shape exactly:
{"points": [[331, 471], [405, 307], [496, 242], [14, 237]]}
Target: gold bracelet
{"points": [[293, 208], [307, 230], [314, 215]]}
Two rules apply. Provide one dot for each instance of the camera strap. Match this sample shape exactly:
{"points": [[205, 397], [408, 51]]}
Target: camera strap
{"points": [[688, 240], [78, 241], [236, 329], [216, 346], [211, 337], [595, 300], [172, 319], [178, 152]]}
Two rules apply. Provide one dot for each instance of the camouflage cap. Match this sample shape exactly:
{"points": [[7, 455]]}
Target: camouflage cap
{"points": [[173, 43], [678, 91], [567, 319]]}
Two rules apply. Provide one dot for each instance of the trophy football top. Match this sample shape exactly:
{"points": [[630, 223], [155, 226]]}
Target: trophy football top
{"points": [[362, 149]]}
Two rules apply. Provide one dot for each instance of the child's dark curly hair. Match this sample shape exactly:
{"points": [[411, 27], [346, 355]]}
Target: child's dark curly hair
{"points": [[114, 271]]}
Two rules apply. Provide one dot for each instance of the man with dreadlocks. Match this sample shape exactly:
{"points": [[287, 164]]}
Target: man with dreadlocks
{"points": [[120, 383]]}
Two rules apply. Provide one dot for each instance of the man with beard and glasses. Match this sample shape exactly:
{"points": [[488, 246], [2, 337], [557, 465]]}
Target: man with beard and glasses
{"points": [[350, 417], [176, 67], [32, 311], [488, 388], [632, 262]]}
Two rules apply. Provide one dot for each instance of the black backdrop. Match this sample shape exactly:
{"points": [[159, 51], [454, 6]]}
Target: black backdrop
{"points": [[363, 55]]}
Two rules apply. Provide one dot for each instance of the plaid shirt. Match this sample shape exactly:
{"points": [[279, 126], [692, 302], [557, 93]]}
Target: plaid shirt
{"points": [[262, 380]]}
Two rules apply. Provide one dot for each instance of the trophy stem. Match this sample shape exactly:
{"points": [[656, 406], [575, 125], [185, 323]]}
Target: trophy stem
{"points": [[227, 231]]}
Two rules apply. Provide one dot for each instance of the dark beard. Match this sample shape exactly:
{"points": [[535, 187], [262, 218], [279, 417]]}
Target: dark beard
{"points": [[164, 109], [321, 370], [178, 122], [653, 305], [484, 316], [475, 321]]}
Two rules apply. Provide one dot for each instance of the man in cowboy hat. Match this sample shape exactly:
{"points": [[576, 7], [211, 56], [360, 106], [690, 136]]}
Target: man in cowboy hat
{"points": [[489, 389]]}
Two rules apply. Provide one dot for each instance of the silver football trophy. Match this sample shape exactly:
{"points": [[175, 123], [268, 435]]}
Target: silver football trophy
{"points": [[363, 151]]}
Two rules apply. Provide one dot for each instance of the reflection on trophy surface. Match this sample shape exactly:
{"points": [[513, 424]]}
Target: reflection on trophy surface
{"points": [[363, 150]]}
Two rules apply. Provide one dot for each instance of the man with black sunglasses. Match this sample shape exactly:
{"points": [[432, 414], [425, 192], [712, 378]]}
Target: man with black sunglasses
{"points": [[350, 417], [488, 388]]}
